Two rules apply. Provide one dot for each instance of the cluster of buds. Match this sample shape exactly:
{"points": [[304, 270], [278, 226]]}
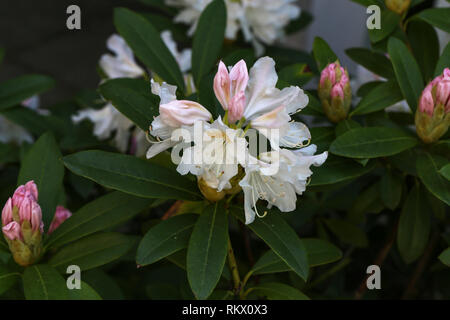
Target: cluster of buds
{"points": [[433, 114], [22, 224], [335, 92], [398, 6]]}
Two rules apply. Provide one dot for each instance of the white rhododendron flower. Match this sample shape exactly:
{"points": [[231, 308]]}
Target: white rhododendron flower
{"points": [[217, 152], [108, 119], [11, 132], [259, 20]]}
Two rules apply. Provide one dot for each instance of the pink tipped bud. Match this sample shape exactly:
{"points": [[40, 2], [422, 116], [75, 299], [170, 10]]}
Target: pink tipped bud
{"points": [[222, 85], [183, 112], [61, 215], [433, 114], [7, 212], [30, 211], [239, 78], [23, 191], [237, 107], [329, 73], [12, 231], [337, 91]]}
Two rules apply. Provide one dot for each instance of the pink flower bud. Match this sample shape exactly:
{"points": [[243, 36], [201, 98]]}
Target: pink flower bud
{"points": [[61, 215], [443, 92], [183, 112], [7, 212], [337, 91], [230, 88], [30, 210], [426, 101], [23, 191], [328, 73], [12, 230]]}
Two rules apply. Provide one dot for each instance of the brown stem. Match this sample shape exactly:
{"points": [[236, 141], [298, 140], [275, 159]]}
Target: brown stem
{"points": [[410, 290], [172, 210], [382, 254]]}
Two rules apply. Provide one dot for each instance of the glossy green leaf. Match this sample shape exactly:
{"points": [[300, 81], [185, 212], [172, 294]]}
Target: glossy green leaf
{"points": [[7, 278], [389, 22], [84, 293], [282, 239], [148, 46], [131, 175], [92, 251], [407, 72], [346, 125], [207, 250], [382, 96], [425, 47], [323, 53], [443, 62], [294, 75], [445, 257], [347, 232], [338, 169], [43, 282], [314, 107], [269, 262], [279, 291], [391, 189], [100, 214], [414, 226], [321, 252], [42, 163], [165, 239], [372, 61], [16, 90], [372, 142], [133, 98], [445, 171], [322, 137], [428, 167], [438, 17], [208, 39]]}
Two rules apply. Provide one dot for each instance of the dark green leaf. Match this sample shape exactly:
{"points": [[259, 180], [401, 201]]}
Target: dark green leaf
{"points": [[414, 226], [347, 232], [100, 214], [133, 98], [279, 291], [438, 17], [208, 39], [42, 282], [443, 62], [132, 175], [321, 252], [207, 250], [407, 72], [391, 189], [373, 61], [382, 96], [16, 90], [372, 142], [445, 257], [428, 167], [92, 251], [300, 23], [445, 171], [7, 278], [323, 53], [42, 164], [165, 239], [389, 22], [148, 46], [84, 293], [294, 75]]}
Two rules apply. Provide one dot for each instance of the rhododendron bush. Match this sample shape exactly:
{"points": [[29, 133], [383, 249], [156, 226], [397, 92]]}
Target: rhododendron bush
{"points": [[212, 162]]}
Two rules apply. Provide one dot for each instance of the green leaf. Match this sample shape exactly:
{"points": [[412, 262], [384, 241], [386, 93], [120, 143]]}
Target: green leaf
{"points": [[103, 284], [372, 61], [445, 171], [372, 142], [279, 291], [347, 232], [445, 257], [42, 164], [294, 75], [428, 167], [438, 17], [133, 98], [300, 23], [337, 169], [443, 62], [321, 252], [42, 282], [282, 239], [131, 175], [314, 107], [322, 137], [269, 262], [389, 22], [323, 53], [93, 251], [391, 189], [382, 96], [425, 47], [346, 125], [7, 278], [208, 39], [364, 89], [84, 293], [16, 90], [207, 250], [148, 46], [100, 214], [414, 226], [165, 239], [407, 72]]}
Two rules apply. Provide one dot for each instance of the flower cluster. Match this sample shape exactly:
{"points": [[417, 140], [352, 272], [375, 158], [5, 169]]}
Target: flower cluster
{"points": [[260, 20], [433, 114], [222, 159], [22, 223], [108, 119]]}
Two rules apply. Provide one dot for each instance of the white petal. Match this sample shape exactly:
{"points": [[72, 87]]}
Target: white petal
{"points": [[296, 135], [165, 91], [159, 147]]}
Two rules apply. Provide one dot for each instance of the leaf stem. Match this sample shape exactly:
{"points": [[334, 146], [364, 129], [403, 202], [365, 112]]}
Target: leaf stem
{"points": [[234, 269]]}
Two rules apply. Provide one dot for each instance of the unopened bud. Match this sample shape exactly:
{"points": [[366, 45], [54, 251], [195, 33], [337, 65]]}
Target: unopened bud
{"points": [[61, 215], [209, 193], [335, 92], [398, 6], [433, 114]]}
